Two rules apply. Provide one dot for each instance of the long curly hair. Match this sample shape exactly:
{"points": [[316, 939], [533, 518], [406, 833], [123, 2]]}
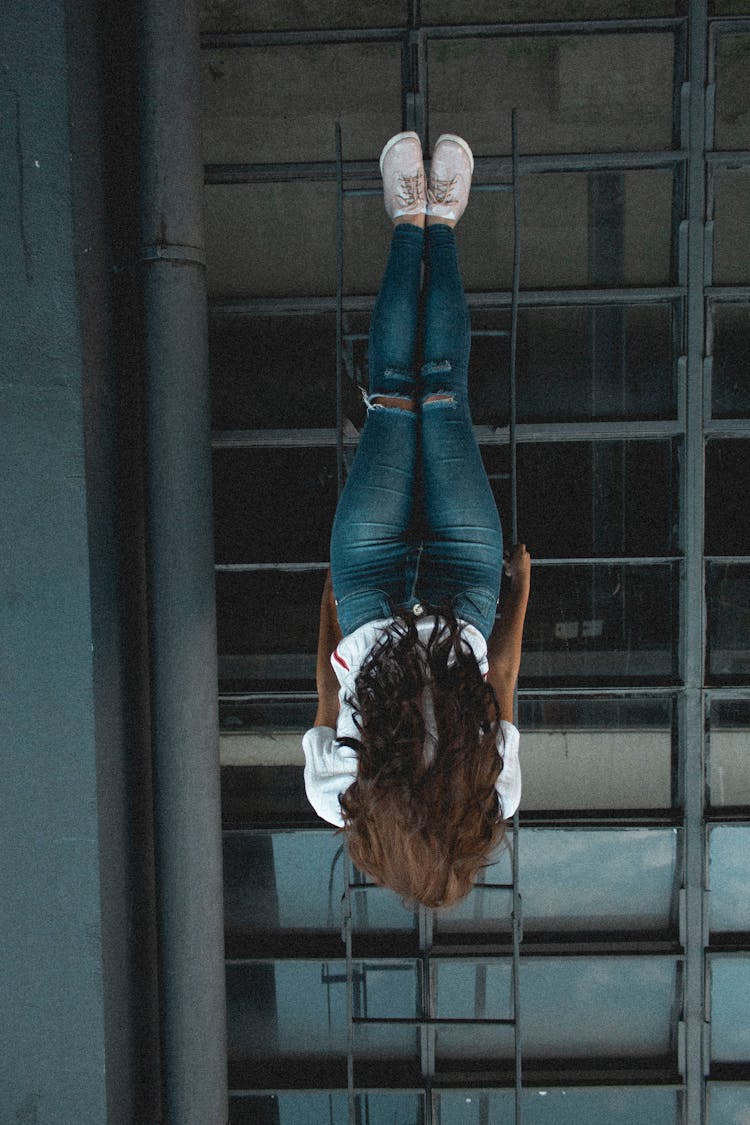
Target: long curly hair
{"points": [[424, 828]]}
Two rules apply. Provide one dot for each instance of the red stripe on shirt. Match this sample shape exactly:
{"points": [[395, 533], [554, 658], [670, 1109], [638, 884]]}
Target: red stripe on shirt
{"points": [[340, 660]]}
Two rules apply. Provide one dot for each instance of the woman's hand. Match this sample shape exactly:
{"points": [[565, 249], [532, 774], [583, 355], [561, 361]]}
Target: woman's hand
{"points": [[517, 564]]}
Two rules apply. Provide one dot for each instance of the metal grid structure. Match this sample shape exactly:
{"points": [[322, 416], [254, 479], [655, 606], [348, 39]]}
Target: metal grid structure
{"points": [[699, 1074]]}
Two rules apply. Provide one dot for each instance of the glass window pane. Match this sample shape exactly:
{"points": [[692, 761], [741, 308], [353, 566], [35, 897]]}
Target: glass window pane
{"points": [[614, 1007], [279, 240], [266, 1019], [614, 880], [591, 364], [596, 753], [578, 229], [729, 902], [261, 242], [275, 104], [296, 15], [272, 372], [729, 758], [267, 629], [578, 93], [555, 1106], [470, 990], [293, 881], [727, 1104], [269, 717], [732, 124], [576, 880], [728, 590], [325, 1108], [732, 227], [731, 371], [730, 1008], [273, 505], [598, 498], [576, 364], [600, 624], [727, 488]]}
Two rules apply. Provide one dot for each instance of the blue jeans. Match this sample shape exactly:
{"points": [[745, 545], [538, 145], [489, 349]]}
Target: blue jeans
{"points": [[376, 566]]}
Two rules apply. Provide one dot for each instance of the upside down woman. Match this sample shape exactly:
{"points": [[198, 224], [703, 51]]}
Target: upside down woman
{"points": [[414, 753]]}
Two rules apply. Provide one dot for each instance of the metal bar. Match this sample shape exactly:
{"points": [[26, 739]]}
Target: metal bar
{"points": [[339, 312], [692, 611], [513, 439], [728, 428], [490, 172], [184, 706], [729, 159], [514, 332], [729, 294], [431, 1022], [233, 39], [582, 692], [594, 560], [525, 432], [625, 1074], [347, 935], [498, 299]]}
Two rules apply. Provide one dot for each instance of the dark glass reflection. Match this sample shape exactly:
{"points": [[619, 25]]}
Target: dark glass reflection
{"points": [[727, 489], [731, 371], [728, 589]]}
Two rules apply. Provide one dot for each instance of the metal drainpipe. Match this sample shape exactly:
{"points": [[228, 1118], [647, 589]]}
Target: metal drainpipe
{"points": [[182, 607]]}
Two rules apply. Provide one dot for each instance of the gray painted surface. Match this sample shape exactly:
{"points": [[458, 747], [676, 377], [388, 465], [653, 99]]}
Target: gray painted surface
{"points": [[53, 1057], [78, 1011]]}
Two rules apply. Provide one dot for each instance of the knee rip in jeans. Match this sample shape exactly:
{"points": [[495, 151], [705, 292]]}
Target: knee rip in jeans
{"points": [[440, 368], [383, 401], [440, 396]]}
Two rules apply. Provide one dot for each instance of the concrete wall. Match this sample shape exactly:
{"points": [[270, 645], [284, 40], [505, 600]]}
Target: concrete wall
{"points": [[75, 934]]}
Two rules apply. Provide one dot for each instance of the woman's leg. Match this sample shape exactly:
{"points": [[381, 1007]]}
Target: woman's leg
{"points": [[462, 558], [368, 547]]}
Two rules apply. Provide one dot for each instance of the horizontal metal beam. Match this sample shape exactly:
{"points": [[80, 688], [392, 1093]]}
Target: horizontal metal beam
{"points": [[498, 299], [592, 560], [526, 432], [328, 1073], [212, 40], [489, 171], [728, 159]]}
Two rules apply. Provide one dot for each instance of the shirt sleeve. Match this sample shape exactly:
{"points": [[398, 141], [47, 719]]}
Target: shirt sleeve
{"points": [[329, 770], [508, 784]]}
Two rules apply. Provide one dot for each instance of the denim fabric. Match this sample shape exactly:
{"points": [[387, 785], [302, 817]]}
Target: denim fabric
{"points": [[429, 456]]}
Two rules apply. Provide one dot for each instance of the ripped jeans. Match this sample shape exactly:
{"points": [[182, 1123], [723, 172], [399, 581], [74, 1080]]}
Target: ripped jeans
{"points": [[378, 563]]}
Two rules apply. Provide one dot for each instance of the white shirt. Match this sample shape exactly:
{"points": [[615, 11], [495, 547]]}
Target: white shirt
{"points": [[330, 768]]}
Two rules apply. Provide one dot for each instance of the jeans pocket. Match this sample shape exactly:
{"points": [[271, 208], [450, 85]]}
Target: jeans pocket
{"points": [[355, 610], [478, 606]]}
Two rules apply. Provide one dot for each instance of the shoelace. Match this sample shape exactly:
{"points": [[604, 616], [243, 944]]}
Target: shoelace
{"points": [[439, 191], [411, 190]]}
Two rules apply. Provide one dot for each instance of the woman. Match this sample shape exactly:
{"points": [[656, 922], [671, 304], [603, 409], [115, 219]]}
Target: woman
{"points": [[413, 752]]}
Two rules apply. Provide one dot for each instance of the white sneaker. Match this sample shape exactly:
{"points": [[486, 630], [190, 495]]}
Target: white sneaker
{"points": [[449, 184], [403, 176]]}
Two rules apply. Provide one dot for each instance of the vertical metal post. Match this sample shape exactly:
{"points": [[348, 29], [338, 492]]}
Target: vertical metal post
{"points": [[516, 919], [349, 985], [514, 329], [339, 311], [182, 602], [692, 608]]}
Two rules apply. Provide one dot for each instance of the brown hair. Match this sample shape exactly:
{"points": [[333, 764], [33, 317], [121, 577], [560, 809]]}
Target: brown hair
{"points": [[424, 829]]}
